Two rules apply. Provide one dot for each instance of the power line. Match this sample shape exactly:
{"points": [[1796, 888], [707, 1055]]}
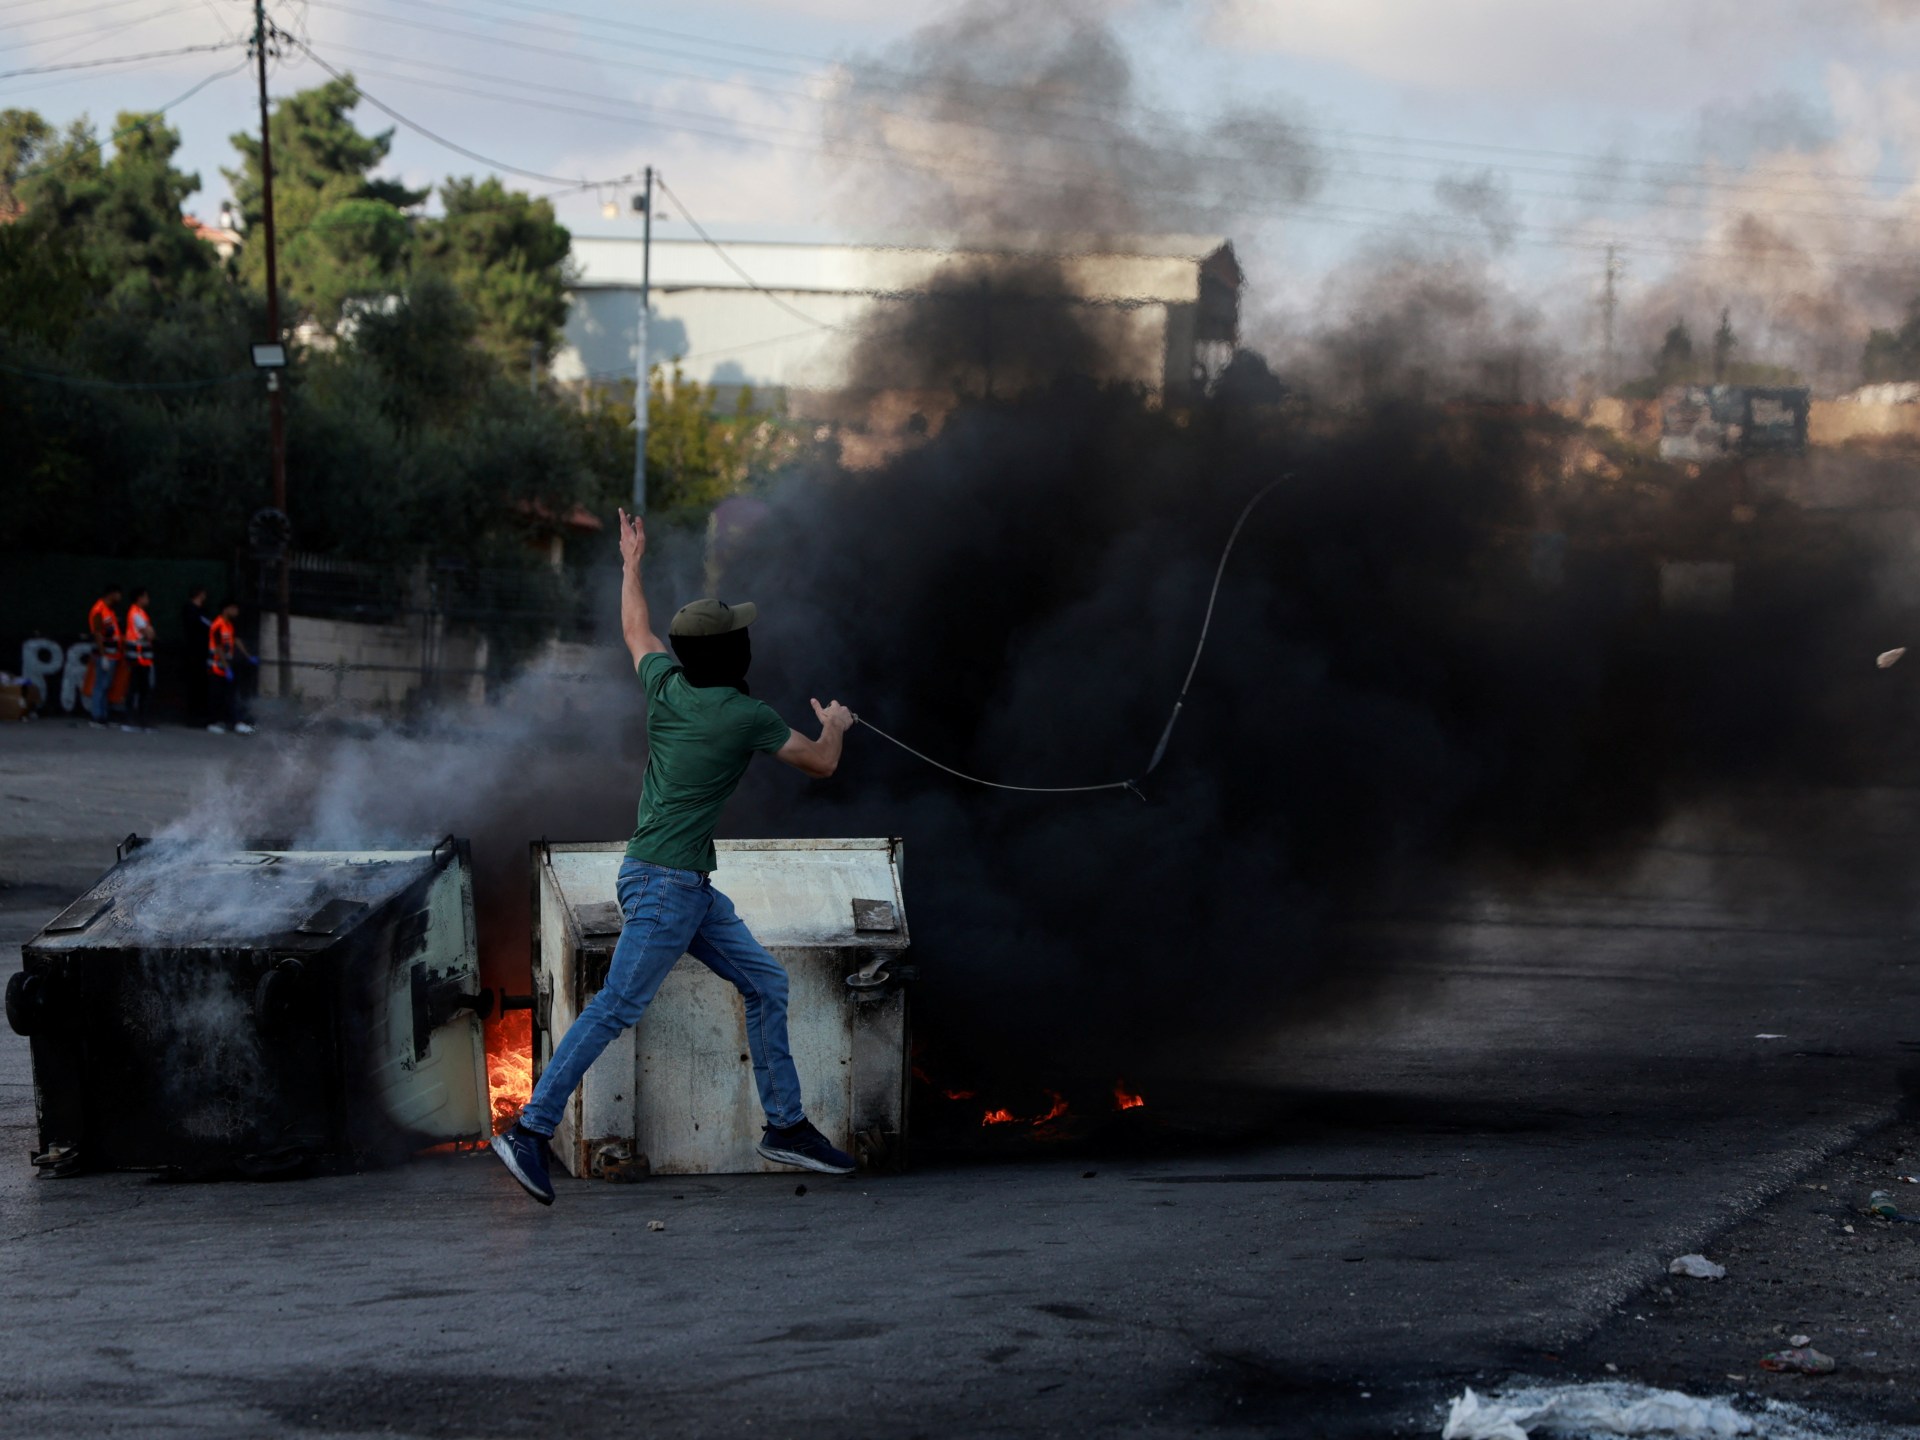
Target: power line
{"points": [[347, 222], [1609, 178], [641, 29], [1664, 203], [67, 15], [95, 33], [733, 264], [87, 382], [441, 140], [1311, 212], [118, 59], [142, 123], [1704, 174]]}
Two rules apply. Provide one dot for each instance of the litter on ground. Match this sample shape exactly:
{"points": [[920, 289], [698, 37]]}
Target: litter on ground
{"points": [[1800, 1360], [1609, 1408], [1697, 1267]]}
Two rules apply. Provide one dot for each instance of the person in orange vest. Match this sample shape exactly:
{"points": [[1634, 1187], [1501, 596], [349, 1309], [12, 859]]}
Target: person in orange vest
{"points": [[223, 686], [137, 655], [103, 623]]}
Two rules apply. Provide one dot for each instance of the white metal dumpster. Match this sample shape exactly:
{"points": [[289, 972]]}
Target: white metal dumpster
{"points": [[675, 1096]]}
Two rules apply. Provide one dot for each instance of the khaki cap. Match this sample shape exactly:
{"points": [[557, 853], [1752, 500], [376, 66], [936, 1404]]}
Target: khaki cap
{"points": [[712, 617]]}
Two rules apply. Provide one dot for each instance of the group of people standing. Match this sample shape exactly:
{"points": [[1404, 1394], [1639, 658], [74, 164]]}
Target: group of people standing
{"points": [[120, 676]]}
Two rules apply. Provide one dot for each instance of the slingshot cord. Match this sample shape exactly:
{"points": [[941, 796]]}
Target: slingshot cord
{"points": [[1166, 735]]}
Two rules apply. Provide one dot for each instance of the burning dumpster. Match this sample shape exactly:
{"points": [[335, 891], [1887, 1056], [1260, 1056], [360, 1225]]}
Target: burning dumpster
{"points": [[257, 1011], [676, 1095]]}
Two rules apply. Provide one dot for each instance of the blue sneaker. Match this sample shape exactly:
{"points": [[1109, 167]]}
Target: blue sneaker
{"points": [[804, 1146], [525, 1156]]}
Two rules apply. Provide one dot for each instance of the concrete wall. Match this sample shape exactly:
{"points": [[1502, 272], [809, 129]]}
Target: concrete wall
{"points": [[380, 666], [1836, 422]]}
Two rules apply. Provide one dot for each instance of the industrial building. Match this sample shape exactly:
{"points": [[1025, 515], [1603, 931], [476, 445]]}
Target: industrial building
{"points": [[784, 317]]}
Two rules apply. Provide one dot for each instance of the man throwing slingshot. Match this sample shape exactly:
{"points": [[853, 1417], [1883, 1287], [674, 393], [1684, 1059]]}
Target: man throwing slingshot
{"points": [[702, 730]]}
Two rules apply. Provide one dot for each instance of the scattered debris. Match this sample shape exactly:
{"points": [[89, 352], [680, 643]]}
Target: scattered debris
{"points": [[799, 1189], [1609, 1407], [1882, 1204], [1801, 1360], [656, 1224], [1763, 1035], [1799, 1339], [1697, 1267], [1887, 659]]}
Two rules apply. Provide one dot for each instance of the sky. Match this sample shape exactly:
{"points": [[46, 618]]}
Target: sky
{"points": [[1757, 155]]}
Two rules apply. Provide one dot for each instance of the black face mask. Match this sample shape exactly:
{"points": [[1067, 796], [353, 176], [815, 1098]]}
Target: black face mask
{"points": [[711, 660]]}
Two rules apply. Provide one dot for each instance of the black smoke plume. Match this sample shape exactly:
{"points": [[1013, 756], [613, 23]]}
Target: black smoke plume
{"points": [[1002, 120], [1441, 660]]}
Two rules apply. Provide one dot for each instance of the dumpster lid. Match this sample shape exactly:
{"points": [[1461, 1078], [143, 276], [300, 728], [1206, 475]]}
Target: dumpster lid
{"points": [[181, 895], [818, 893]]}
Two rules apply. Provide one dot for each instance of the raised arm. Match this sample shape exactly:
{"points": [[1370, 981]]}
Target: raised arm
{"points": [[635, 624], [818, 758]]}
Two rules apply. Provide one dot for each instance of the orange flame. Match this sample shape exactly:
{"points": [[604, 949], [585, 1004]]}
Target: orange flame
{"points": [[1007, 1117], [510, 1065], [1123, 1101], [958, 1094]]}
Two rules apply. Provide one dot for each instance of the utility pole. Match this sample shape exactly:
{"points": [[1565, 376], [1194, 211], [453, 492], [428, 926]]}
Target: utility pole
{"points": [[641, 390], [1609, 304], [276, 398]]}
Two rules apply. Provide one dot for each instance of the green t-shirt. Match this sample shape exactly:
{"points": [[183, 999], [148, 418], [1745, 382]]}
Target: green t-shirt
{"points": [[699, 740]]}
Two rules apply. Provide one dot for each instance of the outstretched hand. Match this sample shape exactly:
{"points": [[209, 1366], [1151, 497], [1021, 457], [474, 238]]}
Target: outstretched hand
{"points": [[834, 716], [633, 539]]}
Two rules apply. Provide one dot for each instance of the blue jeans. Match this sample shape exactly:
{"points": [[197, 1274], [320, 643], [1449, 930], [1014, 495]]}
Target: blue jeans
{"points": [[102, 683], [670, 913]]}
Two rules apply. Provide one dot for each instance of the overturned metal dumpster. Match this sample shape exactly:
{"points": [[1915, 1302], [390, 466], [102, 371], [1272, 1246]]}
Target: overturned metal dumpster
{"points": [[676, 1094], [257, 1011]]}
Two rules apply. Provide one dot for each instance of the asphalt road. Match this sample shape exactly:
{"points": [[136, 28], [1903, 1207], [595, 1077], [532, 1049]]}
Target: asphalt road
{"points": [[1459, 1187]]}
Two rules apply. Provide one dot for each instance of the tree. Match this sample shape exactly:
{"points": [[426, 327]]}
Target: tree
{"points": [[1724, 344], [1674, 364], [121, 216], [1893, 355], [697, 457], [343, 232], [507, 256], [25, 139], [421, 348], [415, 446]]}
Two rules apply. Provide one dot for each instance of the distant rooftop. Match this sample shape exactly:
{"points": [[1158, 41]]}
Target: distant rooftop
{"points": [[1146, 267]]}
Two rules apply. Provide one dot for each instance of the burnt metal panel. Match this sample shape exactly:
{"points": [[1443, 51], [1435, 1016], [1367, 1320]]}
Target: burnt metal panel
{"points": [[80, 914], [597, 921], [872, 915], [333, 917]]}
